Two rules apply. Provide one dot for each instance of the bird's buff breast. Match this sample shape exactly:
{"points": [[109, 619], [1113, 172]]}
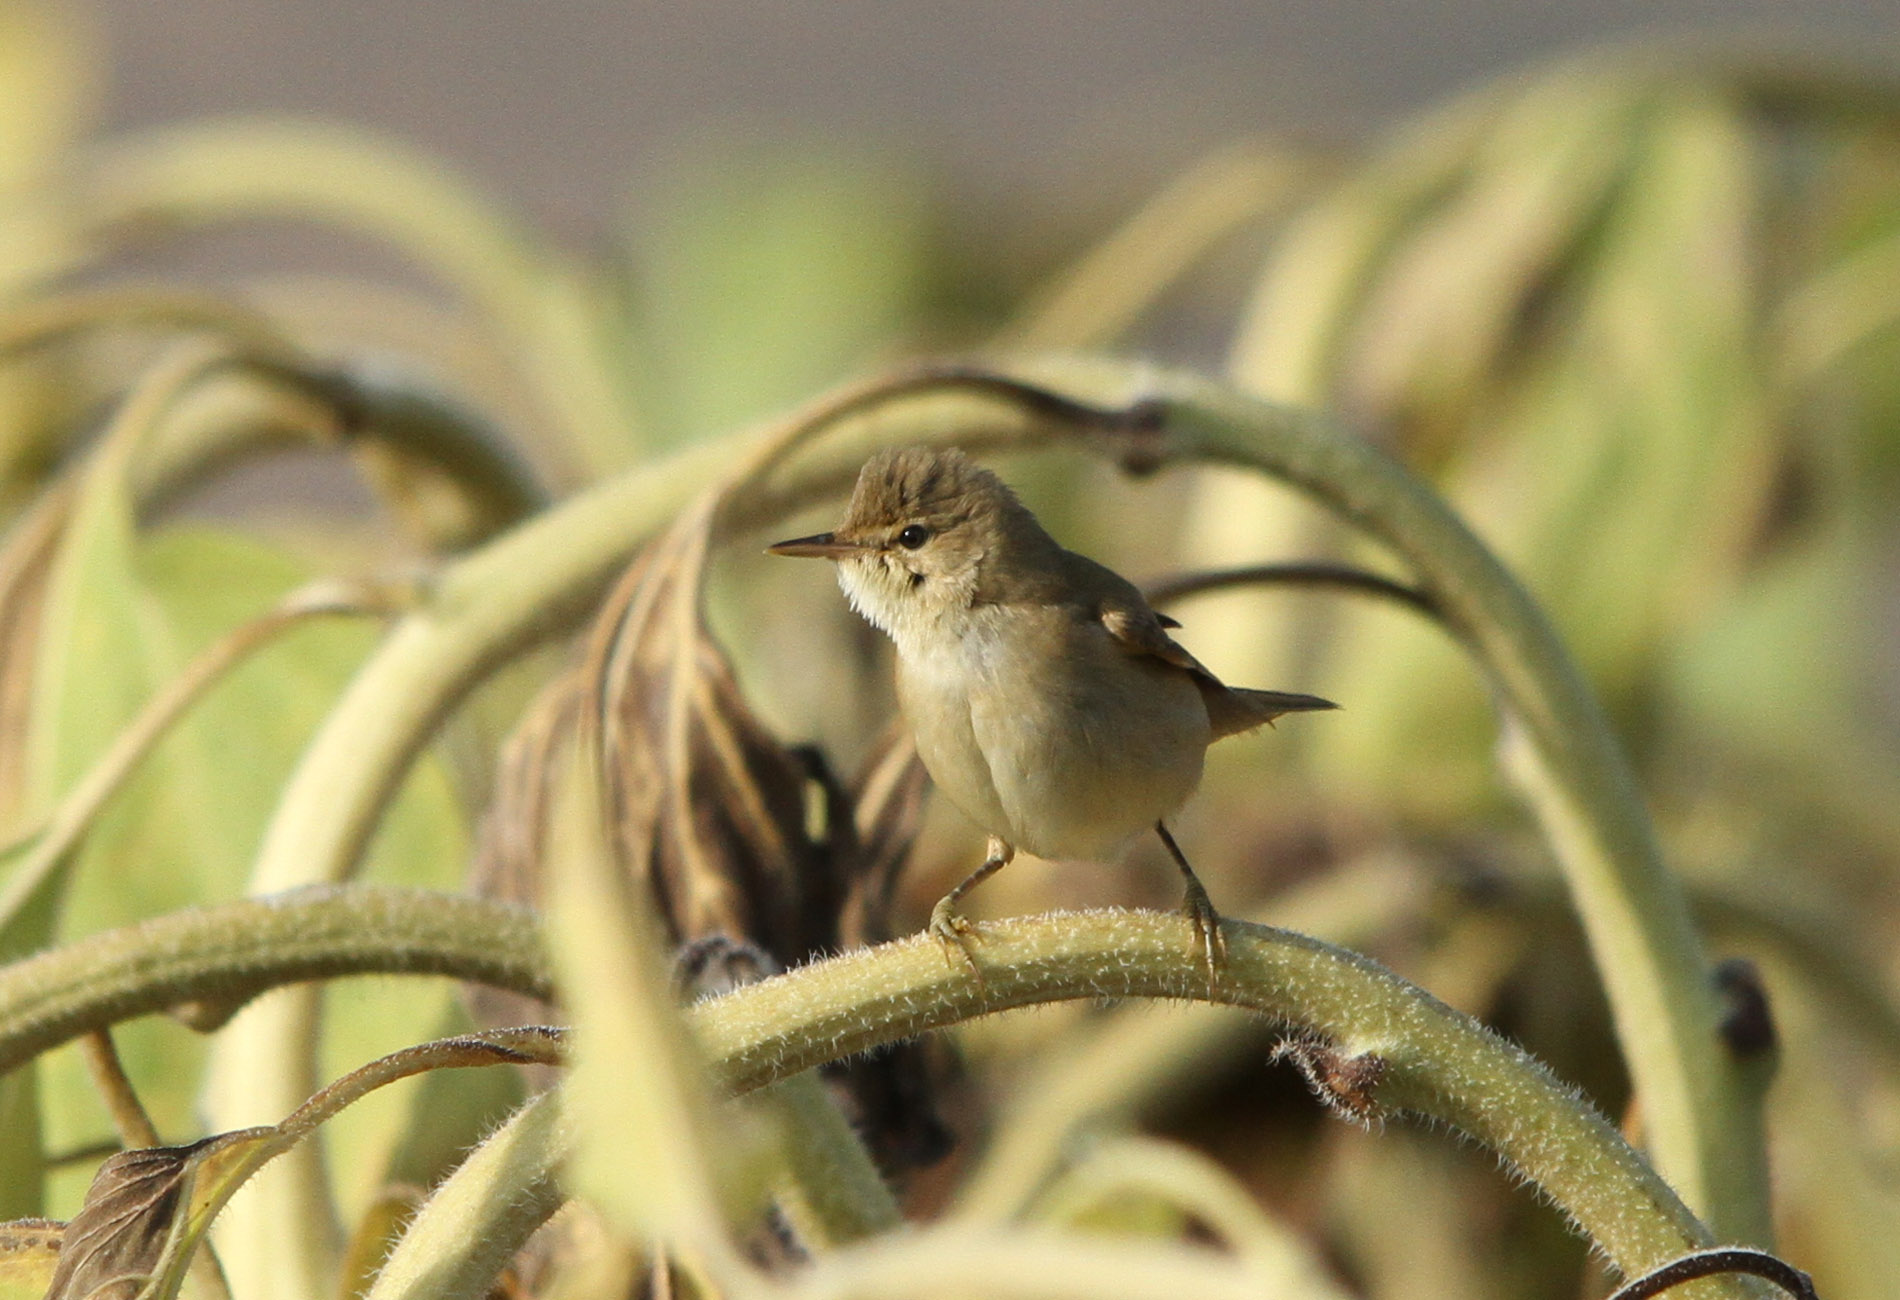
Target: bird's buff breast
{"points": [[1046, 734]]}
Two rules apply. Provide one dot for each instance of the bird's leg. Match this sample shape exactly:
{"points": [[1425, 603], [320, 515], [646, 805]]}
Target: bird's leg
{"points": [[1200, 910], [952, 930]]}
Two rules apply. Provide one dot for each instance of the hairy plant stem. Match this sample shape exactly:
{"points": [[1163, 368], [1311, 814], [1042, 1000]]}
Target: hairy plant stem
{"points": [[472, 1224], [829, 1187], [1414, 1054], [1381, 1046], [220, 957], [1130, 1059]]}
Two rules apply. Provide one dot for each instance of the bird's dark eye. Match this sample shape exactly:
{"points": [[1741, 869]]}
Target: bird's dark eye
{"points": [[913, 536]]}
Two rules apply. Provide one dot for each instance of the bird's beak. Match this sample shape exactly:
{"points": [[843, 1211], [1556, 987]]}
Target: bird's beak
{"points": [[819, 546]]}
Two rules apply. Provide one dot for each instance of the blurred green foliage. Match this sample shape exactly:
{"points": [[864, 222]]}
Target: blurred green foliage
{"points": [[1637, 315]]}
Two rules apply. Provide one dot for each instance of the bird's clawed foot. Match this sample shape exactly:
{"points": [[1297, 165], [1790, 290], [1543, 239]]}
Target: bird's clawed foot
{"points": [[1199, 909], [956, 935], [949, 928], [1200, 912]]}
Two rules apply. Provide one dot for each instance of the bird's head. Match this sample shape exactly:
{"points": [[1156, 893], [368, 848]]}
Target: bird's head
{"points": [[928, 532]]}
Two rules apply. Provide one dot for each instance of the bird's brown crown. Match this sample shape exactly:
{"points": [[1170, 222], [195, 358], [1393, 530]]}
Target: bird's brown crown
{"points": [[925, 484]]}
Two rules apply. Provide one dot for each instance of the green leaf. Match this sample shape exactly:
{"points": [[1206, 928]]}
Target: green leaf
{"points": [[123, 616], [29, 1252], [22, 1166]]}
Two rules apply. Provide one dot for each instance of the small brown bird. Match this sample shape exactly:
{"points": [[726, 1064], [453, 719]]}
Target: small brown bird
{"points": [[1047, 699]]}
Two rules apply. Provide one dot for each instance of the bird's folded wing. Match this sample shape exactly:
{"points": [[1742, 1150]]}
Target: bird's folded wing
{"points": [[1140, 631], [1230, 710]]}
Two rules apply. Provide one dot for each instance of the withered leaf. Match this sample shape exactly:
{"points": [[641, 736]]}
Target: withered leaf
{"points": [[115, 1241], [708, 809], [707, 806], [143, 1214], [711, 810], [148, 1209], [744, 844], [508, 860], [887, 800]]}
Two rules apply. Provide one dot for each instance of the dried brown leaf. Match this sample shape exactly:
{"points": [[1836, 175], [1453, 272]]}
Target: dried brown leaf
{"points": [[508, 863], [887, 802], [513, 835], [708, 808], [144, 1212], [756, 855], [114, 1243]]}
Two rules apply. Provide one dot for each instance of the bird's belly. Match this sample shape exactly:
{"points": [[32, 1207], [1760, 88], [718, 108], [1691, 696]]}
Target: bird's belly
{"points": [[1084, 791], [937, 705], [1061, 765]]}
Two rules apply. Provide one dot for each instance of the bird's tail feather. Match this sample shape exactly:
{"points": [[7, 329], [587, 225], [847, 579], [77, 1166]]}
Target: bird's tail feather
{"points": [[1233, 709]]}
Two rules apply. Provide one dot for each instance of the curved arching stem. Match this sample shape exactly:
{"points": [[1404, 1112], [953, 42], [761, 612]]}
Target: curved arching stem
{"points": [[1374, 1045], [1701, 1112]]}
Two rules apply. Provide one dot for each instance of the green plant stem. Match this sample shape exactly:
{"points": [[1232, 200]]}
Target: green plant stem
{"points": [[267, 400], [237, 412], [1420, 1056], [1319, 575], [272, 393], [130, 1120], [1155, 1170], [1026, 1265], [1129, 1059], [481, 1214], [1433, 1061], [223, 956], [472, 1225], [832, 1192], [521, 1045], [1097, 300], [46, 321], [396, 411]]}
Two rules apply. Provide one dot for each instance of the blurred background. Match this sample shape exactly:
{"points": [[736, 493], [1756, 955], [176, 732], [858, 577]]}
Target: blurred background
{"points": [[1622, 279], [570, 107]]}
